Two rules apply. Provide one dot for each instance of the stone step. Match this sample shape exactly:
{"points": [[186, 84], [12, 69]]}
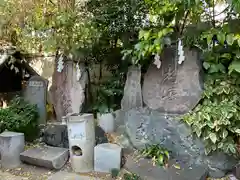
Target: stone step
{"points": [[46, 156], [145, 169]]}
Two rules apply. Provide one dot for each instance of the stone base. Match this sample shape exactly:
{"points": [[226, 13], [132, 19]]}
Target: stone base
{"points": [[48, 157], [145, 126], [107, 157], [11, 145], [175, 171]]}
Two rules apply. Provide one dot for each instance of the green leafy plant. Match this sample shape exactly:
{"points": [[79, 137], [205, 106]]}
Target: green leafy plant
{"points": [[115, 172], [20, 116], [158, 154], [108, 93], [216, 118], [131, 176]]}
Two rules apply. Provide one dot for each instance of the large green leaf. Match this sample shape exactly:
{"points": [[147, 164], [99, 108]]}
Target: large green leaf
{"points": [[225, 134], [213, 137], [230, 39], [221, 37], [234, 66], [206, 65]]}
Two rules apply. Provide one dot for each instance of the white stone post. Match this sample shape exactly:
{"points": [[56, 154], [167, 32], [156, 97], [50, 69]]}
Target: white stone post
{"points": [[81, 135]]}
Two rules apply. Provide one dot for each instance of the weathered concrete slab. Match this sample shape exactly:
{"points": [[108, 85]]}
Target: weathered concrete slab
{"points": [[48, 157], [179, 171]]}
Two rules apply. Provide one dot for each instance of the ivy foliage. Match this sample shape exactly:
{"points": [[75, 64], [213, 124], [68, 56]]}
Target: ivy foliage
{"points": [[216, 118]]}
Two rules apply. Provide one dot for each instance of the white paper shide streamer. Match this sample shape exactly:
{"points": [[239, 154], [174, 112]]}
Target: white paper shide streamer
{"points": [[157, 61], [60, 64], [180, 52], [78, 73]]}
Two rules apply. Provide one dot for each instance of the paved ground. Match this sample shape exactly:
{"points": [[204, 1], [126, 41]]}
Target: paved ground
{"points": [[8, 176], [61, 175]]}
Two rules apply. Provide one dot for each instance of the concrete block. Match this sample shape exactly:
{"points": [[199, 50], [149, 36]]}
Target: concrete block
{"points": [[11, 145], [107, 156], [46, 156]]}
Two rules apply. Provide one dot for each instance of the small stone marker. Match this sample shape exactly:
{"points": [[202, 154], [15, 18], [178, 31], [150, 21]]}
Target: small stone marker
{"points": [[11, 145], [56, 135], [36, 93], [48, 157], [107, 156]]}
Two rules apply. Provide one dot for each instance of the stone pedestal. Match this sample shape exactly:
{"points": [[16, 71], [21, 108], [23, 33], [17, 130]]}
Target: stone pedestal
{"points": [[81, 135], [107, 156], [11, 145]]}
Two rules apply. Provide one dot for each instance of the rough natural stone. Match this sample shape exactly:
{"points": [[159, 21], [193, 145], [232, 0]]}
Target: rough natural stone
{"points": [[236, 171], [102, 152], [132, 97], [36, 93], [145, 169], [11, 145], [46, 156], [145, 126], [119, 117], [56, 135], [100, 135], [67, 91], [174, 88]]}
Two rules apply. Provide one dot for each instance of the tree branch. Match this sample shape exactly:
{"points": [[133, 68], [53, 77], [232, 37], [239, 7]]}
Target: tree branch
{"points": [[184, 22]]}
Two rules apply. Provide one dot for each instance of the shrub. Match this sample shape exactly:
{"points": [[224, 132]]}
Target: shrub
{"points": [[20, 116], [217, 117]]}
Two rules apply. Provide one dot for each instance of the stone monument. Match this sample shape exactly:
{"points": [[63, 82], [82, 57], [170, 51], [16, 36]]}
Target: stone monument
{"points": [[67, 91], [174, 88], [168, 92], [132, 90], [36, 93]]}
